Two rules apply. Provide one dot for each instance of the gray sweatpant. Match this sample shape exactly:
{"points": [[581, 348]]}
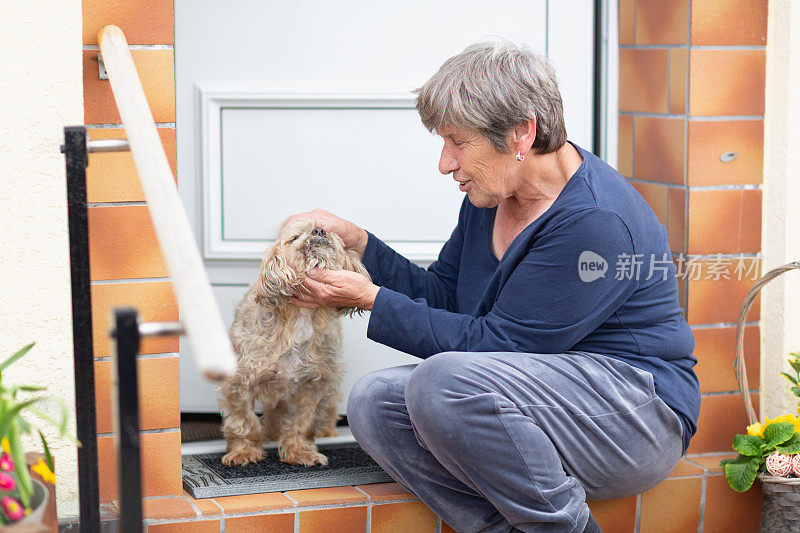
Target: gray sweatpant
{"points": [[491, 441]]}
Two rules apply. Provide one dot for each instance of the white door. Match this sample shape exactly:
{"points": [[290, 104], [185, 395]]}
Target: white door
{"points": [[287, 106]]}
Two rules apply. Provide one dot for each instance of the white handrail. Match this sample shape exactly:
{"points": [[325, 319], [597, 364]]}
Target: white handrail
{"points": [[200, 315]]}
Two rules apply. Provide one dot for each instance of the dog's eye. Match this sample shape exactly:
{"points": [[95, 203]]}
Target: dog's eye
{"points": [[293, 239]]}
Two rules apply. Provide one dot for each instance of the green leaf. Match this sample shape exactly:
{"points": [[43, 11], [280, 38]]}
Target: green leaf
{"points": [[10, 416], [795, 365], [740, 459], [791, 446], [741, 476], [47, 457], [748, 444], [30, 388], [795, 391], [16, 356], [25, 485], [790, 378], [778, 433], [24, 427]]}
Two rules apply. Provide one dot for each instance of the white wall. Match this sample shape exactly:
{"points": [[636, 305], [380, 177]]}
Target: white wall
{"points": [[40, 93], [780, 304]]}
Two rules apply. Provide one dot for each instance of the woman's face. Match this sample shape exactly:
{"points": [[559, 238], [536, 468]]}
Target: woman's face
{"points": [[480, 170]]}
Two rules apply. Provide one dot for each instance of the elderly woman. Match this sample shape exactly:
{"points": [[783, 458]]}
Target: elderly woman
{"points": [[549, 376]]}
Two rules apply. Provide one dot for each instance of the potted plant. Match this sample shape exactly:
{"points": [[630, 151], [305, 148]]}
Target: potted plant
{"points": [[23, 499], [771, 452]]}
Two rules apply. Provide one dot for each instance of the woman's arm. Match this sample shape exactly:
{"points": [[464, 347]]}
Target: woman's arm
{"points": [[544, 306], [436, 285]]}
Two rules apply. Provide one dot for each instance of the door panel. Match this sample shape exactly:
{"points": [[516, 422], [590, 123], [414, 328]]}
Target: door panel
{"points": [[287, 106]]}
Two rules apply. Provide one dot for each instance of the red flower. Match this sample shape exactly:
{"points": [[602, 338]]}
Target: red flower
{"points": [[7, 482], [12, 508], [6, 464]]}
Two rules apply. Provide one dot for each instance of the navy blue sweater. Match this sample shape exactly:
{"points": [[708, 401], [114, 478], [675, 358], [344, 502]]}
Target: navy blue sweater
{"points": [[550, 292]]}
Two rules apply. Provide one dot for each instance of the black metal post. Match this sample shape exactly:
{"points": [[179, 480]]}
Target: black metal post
{"points": [[599, 84], [77, 158], [126, 333]]}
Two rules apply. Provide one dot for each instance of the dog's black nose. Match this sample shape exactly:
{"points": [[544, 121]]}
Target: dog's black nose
{"points": [[318, 231]]}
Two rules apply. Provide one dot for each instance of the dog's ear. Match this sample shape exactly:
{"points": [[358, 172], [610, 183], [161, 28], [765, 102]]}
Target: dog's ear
{"points": [[276, 279]]}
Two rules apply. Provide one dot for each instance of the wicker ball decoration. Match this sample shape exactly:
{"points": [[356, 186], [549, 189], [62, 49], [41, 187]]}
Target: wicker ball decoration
{"points": [[780, 464], [796, 464]]}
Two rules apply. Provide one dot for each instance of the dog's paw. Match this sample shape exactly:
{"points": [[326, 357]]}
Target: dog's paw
{"points": [[313, 459], [242, 456], [295, 456]]}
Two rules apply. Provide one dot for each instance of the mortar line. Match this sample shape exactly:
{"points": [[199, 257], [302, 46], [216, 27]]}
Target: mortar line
{"points": [[696, 118], [702, 513], [116, 204], [127, 280], [135, 47], [107, 358], [712, 47], [296, 513], [197, 510], [117, 125], [725, 393], [719, 325]]}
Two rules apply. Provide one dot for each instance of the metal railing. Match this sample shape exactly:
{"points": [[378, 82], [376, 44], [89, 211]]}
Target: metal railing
{"points": [[201, 320]]}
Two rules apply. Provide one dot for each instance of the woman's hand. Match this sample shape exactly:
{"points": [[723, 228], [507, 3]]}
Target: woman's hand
{"points": [[354, 237], [335, 288]]}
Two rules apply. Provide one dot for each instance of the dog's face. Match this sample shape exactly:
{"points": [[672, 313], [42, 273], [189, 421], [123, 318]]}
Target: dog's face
{"points": [[300, 247]]}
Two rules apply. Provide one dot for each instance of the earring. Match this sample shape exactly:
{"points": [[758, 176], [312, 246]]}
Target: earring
{"points": [[520, 157]]}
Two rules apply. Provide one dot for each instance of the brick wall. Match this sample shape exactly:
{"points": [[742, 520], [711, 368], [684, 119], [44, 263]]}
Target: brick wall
{"points": [[125, 262], [692, 89]]}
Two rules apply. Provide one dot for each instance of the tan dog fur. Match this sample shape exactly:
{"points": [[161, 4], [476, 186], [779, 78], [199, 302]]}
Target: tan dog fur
{"points": [[289, 357]]}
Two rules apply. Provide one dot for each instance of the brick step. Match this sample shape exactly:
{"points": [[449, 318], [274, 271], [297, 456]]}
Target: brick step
{"points": [[695, 492]]}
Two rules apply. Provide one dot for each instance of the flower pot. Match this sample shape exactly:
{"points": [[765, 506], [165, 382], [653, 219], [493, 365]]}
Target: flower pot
{"points": [[39, 500]]}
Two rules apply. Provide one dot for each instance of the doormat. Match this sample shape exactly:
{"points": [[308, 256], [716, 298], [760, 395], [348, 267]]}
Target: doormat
{"points": [[204, 475], [198, 431]]}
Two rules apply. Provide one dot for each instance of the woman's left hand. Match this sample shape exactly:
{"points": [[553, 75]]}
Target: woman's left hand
{"points": [[335, 288]]}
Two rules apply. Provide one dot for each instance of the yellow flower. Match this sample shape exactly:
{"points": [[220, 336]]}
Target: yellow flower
{"points": [[782, 418], [6, 447], [758, 428], [43, 470]]}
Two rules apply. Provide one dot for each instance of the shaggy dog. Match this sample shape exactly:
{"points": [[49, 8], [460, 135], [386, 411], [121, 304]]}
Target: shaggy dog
{"points": [[289, 357]]}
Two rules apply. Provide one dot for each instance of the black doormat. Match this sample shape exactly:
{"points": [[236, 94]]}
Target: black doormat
{"points": [[204, 475], [200, 431], [196, 427]]}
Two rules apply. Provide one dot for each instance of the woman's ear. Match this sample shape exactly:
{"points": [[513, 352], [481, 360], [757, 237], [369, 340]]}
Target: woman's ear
{"points": [[523, 136], [276, 279]]}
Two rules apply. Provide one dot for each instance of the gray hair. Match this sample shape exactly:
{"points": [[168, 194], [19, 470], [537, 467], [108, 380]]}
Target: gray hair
{"points": [[491, 87]]}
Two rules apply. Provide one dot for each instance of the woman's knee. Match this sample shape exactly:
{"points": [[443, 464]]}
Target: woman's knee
{"points": [[372, 392], [434, 382]]}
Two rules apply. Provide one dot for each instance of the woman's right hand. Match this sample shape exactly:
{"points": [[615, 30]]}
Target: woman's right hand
{"points": [[354, 237]]}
